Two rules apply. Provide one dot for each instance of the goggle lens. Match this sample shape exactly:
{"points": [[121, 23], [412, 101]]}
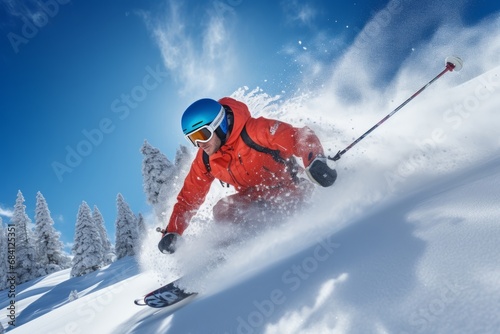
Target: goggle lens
{"points": [[203, 135]]}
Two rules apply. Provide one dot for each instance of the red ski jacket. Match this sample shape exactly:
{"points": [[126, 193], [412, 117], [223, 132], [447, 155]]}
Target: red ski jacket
{"points": [[248, 170]]}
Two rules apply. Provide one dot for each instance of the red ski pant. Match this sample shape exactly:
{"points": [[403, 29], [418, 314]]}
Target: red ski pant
{"points": [[255, 204]]}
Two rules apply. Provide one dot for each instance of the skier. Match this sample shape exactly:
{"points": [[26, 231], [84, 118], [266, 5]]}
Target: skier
{"points": [[255, 155]]}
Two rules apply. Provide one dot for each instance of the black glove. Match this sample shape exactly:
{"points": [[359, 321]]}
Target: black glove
{"points": [[168, 242], [319, 172]]}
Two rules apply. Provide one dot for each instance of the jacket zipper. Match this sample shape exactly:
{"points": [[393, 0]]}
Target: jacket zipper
{"points": [[229, 171], [242, 164]]}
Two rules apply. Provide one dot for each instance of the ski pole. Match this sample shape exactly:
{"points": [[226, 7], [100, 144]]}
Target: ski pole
{"points": [[451, 63]]}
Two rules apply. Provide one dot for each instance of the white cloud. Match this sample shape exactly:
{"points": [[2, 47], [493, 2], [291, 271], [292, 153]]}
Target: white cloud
{"points": [[197, 51], [31, 9], [6, 212], [296, 11]]}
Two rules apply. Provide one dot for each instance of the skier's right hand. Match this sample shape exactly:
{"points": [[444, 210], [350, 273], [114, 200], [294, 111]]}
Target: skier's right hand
{"points": [[168, 243]]}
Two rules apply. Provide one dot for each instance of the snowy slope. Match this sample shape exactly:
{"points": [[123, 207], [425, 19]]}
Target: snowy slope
{"points": [[405, 242], [426, 262]]}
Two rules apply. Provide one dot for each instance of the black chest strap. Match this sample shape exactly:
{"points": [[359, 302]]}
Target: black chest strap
{"points": [[206, 161], [291, 164]]}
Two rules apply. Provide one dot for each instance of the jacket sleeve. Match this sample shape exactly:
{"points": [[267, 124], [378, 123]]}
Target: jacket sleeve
{"points": [[277, 135], [191, 197]]}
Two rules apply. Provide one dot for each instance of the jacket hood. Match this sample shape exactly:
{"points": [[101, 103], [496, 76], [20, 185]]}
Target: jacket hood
{"points": [[241, 116]]}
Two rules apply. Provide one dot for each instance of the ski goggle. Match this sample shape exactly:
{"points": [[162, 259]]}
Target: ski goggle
{"points": [[206, 132]]}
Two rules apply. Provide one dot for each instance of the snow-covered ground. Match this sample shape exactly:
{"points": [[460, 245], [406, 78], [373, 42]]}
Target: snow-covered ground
{"points": [[407, 240]]}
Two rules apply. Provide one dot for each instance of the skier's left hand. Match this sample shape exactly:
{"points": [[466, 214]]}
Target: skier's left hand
{"points": [[320, 173], [168, 243]]}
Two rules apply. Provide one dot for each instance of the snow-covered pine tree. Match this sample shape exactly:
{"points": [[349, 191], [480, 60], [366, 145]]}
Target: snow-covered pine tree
{"points": [[106, 244], [87, 252], [183, 160], [49, 248], [4, 269], [127, 235], [141, 226], [26, 266], [158, 174]]}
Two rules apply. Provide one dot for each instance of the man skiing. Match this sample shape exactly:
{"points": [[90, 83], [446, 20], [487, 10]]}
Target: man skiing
{"points": [[254, 155]]}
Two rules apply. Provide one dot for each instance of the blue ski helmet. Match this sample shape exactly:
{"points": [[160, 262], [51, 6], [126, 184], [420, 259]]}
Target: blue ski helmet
{"points": [[203, 112]]}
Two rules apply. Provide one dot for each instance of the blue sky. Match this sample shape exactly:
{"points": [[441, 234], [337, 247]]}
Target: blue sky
{"points": [[84, 83]]}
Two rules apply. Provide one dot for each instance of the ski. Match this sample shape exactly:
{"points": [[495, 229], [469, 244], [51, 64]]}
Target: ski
{"points": [[165, 296]]}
